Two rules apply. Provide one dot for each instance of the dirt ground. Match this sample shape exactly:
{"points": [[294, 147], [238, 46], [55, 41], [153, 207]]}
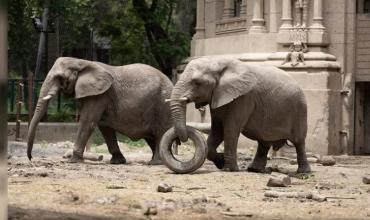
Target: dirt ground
{"points": [[50, 188]]}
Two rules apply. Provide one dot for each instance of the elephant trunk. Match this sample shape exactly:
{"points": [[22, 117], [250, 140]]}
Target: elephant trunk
{"points": [[178, 112], [48, 89]]}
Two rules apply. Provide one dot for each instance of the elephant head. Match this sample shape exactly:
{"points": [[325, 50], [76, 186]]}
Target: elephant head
{"points": [[72, 76], [214, 81]]}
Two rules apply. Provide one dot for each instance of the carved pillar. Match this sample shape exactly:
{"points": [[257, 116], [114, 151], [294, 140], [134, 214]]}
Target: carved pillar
{"points": [[200, 28], [286, 15], [228, 9], [317, 16], [273, 28], [258, 23], [243, 9]]}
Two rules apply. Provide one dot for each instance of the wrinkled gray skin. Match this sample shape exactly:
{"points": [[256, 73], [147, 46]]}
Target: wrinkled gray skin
{"points": [[262, 102], [127, 99]]}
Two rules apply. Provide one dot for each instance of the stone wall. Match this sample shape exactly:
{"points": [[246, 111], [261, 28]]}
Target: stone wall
{"points": [[49, 132]]}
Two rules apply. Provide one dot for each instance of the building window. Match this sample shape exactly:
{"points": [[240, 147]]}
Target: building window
{"points": [[237, 7], [366, 6]]}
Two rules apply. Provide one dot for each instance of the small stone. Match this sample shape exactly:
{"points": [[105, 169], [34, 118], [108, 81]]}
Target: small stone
{"points": [[317, 197], [279, 180], [366, 179], [152, 210], [164, 187], [327, 161], [43, 174]]}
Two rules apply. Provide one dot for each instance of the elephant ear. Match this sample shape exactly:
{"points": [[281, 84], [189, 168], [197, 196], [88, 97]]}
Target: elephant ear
{"points": [[92, 80], [233, 83]]}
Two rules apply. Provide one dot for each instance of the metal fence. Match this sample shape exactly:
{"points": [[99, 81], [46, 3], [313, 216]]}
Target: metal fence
{"points": [[20, 100]]}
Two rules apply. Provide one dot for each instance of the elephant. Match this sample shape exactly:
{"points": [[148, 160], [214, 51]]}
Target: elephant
{"points": [[262, 102], [129, 99]]}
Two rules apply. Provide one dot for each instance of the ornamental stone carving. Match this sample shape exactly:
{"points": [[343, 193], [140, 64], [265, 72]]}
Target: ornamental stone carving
{"points": [[301, 13]]}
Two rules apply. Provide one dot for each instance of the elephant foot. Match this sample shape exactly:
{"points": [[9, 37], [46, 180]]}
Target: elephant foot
{"points": [[304, 168], [217, 159], [75, 159], [230, 168], [256, 168], [117, 159], [155, 162]]}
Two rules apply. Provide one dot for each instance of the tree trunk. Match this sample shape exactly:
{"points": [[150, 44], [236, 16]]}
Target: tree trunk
{"points": [[41, 47], [155, 34]]}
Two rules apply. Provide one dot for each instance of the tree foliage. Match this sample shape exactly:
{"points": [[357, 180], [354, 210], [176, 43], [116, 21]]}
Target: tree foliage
{"points": [[145, 31]]}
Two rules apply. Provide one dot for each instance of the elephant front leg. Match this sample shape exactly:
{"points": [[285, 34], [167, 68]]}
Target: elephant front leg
{"points": [[303, 165], [260, 159], [110, 138], [215, 138], [85, 129], [231, 136], [154, 146], [90, 114]]}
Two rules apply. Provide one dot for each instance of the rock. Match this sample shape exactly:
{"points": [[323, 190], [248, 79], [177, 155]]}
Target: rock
{"points": [[289, 170], [327, 161], [279, 180], [317, 197], [43, 174], [366, 179], [150, 209], [164, 187], [202, 199]]}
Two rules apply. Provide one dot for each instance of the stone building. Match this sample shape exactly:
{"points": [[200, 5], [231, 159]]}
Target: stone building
{"points": [[328, 43]]}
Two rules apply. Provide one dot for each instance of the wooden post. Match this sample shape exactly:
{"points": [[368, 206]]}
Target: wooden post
{"points": [[19, 109]]}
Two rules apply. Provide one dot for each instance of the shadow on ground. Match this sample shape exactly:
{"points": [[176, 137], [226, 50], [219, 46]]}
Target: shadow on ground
{"points": [[17, 213]]}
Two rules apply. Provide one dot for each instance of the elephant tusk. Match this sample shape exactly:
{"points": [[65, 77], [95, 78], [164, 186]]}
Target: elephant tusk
{"points": [[183, 99], [47, 97]]}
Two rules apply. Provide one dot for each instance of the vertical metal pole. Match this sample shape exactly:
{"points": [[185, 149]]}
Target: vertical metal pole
{"points": [[3, 109]]}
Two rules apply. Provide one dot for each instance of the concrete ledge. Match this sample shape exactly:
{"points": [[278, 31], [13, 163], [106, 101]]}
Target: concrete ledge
{"points": [[50, 132]]}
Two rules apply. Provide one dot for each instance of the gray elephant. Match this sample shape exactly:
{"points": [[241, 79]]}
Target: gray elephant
{"points": [[128, 99], [262, 102]]}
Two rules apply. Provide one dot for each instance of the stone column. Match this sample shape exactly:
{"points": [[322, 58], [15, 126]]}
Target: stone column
{"points": [[200, 28], [317, 15], [258, 23], [243, 9], [273, 16], [286, 15], [228, 9]]}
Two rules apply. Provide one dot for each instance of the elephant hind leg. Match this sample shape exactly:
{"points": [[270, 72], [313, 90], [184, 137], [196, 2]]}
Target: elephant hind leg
{"points": [[154, 146], [260, 159], [303, 165], [110, 138]]}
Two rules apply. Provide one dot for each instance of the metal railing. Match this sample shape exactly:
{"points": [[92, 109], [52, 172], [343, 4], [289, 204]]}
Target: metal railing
{"points": [[21, 97]]}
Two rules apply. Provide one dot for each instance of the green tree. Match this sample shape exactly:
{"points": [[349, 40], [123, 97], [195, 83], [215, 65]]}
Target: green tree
{"points": [[22, 37], [138, 30], [146, 31]]}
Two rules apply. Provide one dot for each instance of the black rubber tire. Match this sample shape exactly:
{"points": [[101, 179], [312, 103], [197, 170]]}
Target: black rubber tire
{"points": [[182, 167]]}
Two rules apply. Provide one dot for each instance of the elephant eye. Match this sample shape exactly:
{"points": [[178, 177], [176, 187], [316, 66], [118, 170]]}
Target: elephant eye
{"points": [[197, 82]]}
